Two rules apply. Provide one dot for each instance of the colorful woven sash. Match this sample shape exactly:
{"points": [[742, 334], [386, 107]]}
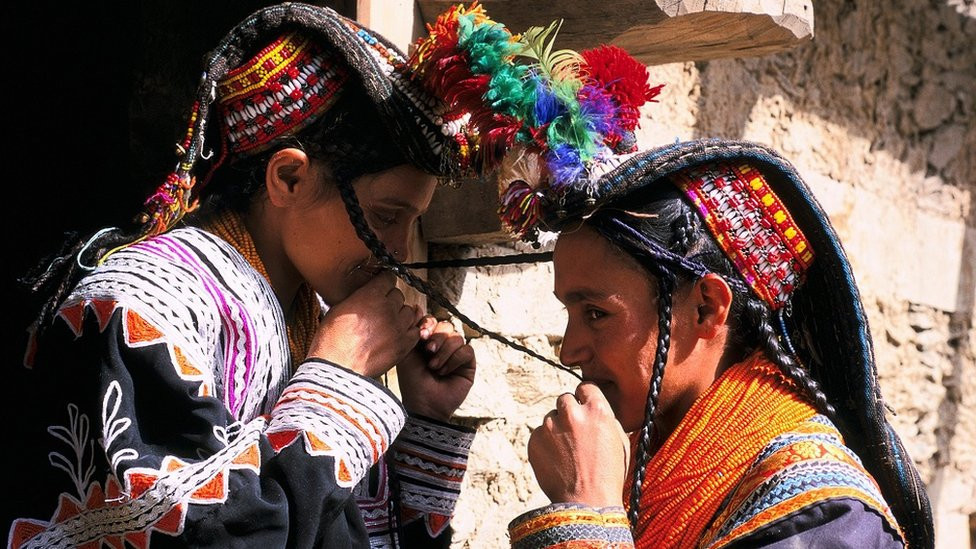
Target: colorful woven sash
{"points": [[712, 448]]}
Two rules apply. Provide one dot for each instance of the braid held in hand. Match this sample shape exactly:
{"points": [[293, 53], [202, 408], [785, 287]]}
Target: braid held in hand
{"points": [[379, 250]]}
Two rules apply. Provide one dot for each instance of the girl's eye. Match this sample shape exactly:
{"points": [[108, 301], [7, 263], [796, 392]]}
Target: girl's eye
{"points": [[385, 219], [594, 314]]}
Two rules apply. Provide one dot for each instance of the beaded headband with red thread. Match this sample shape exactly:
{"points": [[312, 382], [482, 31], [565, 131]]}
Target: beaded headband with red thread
{"points": [[280, 90], [751, 225]]}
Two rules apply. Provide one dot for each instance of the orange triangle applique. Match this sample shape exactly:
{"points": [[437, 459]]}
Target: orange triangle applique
{"points": [[212, 490], [112, 488], [250, 456], [171, 464], [139, 483], [138, 331], [139, 540], [185, 367], [204, 389], [281, 439], [67, 508], [316, 443], [73, 315], [96, 497], [406, 515], [103, 311], [437, 523], [172, 522], [23, 530], [342, 473]]}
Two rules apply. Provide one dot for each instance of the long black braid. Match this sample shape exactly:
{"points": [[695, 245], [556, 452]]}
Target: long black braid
{"points": [[666, 284], [757, 315]]}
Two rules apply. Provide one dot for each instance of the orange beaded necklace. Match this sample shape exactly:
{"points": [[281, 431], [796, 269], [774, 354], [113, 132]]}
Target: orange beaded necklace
{"points": [[303, 318], [713, 445]]}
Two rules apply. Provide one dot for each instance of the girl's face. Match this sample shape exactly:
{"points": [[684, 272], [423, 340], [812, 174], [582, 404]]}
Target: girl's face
{"points": [[612, 327], [321, 242]]}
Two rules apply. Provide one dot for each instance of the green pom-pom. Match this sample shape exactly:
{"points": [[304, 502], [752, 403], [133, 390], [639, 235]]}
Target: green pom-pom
{"points": [[489, 46], [508, 91]]}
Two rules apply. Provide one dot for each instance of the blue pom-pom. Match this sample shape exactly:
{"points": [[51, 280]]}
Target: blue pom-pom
{"points": [[547, 106]]}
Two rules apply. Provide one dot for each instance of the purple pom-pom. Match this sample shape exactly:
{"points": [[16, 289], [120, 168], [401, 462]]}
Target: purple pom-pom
{"points": [[565, 165], [600, 111]]}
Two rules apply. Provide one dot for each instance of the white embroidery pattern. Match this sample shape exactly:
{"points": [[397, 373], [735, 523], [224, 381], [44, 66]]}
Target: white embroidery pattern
{"points": [[112, 427], [75, 435], [338, 413], [199, 305], [159, 497]]}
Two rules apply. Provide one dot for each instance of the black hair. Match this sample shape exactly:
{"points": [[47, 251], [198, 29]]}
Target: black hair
{"points": [[675, 246]]}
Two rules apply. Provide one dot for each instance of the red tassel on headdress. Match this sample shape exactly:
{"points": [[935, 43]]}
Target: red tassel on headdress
{"points": [[171, 201], [520, 208], [497, 137], [174, 197], [445, 71]]}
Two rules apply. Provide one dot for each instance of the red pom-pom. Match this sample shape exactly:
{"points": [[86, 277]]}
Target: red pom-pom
{"points": [[624, 78], [520, 208]]}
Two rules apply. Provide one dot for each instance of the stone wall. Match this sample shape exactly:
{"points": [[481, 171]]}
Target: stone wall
{"points": [[877, 113]]}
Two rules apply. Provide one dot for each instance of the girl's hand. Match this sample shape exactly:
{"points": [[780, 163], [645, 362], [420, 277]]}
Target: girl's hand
{"points": [[369, 331], [580, 453], [437, 375]]}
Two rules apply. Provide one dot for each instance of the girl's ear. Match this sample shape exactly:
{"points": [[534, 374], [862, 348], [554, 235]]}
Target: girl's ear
{"points": [[289, 177], [713, 299]]}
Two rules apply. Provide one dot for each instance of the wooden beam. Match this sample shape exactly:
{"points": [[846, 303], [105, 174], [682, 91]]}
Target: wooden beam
{"points": [[464, 215], [659, 31]]}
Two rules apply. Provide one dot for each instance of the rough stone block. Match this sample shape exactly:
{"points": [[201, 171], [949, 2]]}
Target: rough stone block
{"points": [[515, 300]]}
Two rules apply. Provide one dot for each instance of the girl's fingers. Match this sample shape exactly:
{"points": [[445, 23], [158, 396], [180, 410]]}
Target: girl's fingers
{"points": [[446, 349], [460, 358], [426, 323], [434, 342]]}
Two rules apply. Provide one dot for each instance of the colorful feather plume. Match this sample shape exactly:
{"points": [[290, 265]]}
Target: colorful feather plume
{"points": [[572, 109]]}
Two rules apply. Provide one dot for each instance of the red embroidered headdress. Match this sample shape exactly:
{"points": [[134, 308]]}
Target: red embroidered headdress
{"points": [[751, 225], [307, 58]]}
